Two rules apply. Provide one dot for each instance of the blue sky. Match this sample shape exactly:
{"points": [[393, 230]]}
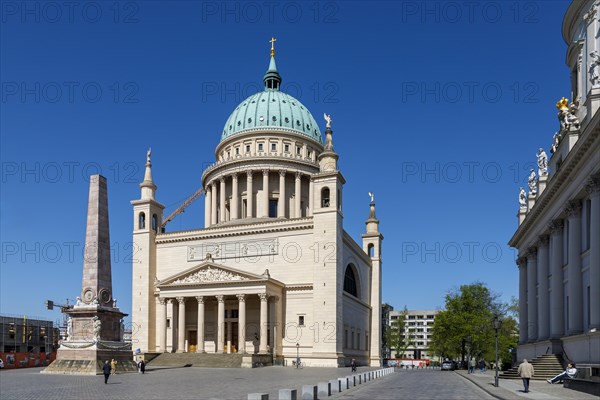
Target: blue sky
{"points": [[437, 107]]}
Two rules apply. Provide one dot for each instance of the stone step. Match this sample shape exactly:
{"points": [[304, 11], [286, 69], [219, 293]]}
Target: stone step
{"points": [[197, 360], [546, 366]]}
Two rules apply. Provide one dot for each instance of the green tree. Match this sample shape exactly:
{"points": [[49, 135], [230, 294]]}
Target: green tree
{"points": [[397, 338], [464, 329]]}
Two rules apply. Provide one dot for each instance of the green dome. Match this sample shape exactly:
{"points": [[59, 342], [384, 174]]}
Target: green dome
{"points": [[271, 108]]}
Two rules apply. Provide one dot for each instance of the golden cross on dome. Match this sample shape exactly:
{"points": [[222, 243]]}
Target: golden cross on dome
{"points": [[272, 41]]}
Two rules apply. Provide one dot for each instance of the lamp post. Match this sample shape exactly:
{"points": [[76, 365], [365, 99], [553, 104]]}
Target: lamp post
{"points": [[497, 324], [297, 355]]}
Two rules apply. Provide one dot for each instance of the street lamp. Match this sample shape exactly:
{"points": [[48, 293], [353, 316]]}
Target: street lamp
{"points": [[497, 325], [297, 355]]}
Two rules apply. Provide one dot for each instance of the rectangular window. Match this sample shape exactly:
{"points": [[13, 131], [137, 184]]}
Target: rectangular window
{"points": [[430, 317], [237, 150], [298, 150], [260, 147], [286, 148], [272, 208], [168, 322], [300, 320], [273, 147], [235, 313], [411, 317], [244, 208], [247, 148]]}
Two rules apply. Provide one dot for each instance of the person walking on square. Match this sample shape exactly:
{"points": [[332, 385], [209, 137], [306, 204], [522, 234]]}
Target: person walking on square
{"points": [[113, 365], [568, 373], [526, 372], [353, 365], [142, 366], [472, 364], [482, 366], [106, 370]]}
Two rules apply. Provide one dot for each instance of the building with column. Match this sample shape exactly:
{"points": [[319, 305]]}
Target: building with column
{"points": [[273, 272], [558, 237]]}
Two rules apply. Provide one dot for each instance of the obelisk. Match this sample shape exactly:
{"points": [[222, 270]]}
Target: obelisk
{"points": [[95, 324]]}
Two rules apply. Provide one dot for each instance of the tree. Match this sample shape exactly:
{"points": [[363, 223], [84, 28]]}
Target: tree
{"points": [[397, 337], [465, 328]]}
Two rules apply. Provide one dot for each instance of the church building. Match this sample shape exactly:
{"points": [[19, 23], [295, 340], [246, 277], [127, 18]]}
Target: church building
{"points": [[558, 236], [273, 274]]}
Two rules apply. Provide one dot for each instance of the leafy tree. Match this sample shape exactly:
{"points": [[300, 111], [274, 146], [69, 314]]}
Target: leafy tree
{"points": [[464, 329], [397, 337]]}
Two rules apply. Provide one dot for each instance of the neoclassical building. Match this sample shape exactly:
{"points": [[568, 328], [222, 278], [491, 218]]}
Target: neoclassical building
{"points": [[558, 238], [273, 272]]}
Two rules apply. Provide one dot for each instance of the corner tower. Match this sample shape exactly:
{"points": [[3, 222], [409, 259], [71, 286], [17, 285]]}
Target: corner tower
{"points": [[147, 218], [372, 246]]}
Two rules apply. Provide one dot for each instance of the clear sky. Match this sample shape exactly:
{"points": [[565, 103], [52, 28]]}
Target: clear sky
{"points": [[438, 108]]}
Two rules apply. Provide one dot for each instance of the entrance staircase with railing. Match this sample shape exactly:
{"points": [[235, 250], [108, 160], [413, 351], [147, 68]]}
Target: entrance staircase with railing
{"points": [[546, 366], [197, 360]]}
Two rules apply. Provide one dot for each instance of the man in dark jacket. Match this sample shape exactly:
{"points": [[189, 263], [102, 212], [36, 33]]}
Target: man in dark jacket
{"points": [[106, 369]]}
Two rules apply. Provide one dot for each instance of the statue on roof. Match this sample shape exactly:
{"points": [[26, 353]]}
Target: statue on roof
{"points": [[522, 198], [532, 182], [542, 162], [148, 153], [594, 63], [372, 195], [327, 119]]}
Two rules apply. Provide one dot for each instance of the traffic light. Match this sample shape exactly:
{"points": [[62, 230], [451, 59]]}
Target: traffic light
{"points": [[49, 304]]}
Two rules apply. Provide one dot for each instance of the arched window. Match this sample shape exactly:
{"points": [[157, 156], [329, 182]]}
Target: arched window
{"points": [[371, 249], [350, 284], [325, 197], [339, 200], [154, 223], [142, 221]]}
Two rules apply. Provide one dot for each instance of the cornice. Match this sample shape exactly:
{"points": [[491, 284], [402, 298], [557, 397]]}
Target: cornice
{"points": [[236, 230]]}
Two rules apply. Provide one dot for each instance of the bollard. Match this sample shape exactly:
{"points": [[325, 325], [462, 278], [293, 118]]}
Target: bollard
{"points": [[353, 380], [288, 394], [309, 392], [360, 379], [336, 386], [324, 389], [344, 383], [258, 396]]}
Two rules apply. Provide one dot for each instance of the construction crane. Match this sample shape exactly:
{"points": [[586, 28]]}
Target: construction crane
{"points": [[181, 208]]}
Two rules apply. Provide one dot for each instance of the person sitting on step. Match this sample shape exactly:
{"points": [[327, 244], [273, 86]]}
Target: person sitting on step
{"points": [[569, 373]]}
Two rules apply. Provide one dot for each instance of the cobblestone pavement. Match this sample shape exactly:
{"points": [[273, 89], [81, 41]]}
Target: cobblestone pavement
{"points": [[164, 383], [420, 384], [512, 389]]}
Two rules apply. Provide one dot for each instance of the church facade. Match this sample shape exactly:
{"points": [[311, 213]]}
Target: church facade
{"points": [[558, 237], [272, 272]]}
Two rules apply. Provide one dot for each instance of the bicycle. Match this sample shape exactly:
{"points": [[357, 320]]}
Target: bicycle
{"points": [[298, 364]]}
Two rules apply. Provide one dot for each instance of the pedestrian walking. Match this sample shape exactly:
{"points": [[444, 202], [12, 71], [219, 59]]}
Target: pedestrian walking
{"points": [[472, 364], [106, 370], [113, 365], [142, 366], [526, 372], [482, 366], [353, 365]]}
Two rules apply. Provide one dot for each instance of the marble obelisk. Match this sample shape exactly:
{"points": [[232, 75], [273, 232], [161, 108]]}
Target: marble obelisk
{"points": [[95, 324]]}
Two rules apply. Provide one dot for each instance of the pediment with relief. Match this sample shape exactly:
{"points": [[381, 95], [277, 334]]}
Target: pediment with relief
{"points": [[210, 273]]}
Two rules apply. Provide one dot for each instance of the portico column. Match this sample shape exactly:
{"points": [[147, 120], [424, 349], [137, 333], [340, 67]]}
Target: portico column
{"points": [[298, 196], [213, 201], [242, 323], [249, 195], [234, 196], [229, 331], [575, 296], [281, 201], [532, 316], [200, 344], [162, 325], [222, 200], [172, 312], [542, 278], [523, 331], [557, 321], [593, 188], [264, 323], [265, 204], [181, 326], [311, 191], [207, 206], [220, 323]]}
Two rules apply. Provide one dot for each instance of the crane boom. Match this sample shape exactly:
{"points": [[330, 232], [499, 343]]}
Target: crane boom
{"points": [[182, 207]]}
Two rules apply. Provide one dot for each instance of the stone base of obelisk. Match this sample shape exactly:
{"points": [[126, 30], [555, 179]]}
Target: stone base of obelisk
{"points": [[85, 358]]}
